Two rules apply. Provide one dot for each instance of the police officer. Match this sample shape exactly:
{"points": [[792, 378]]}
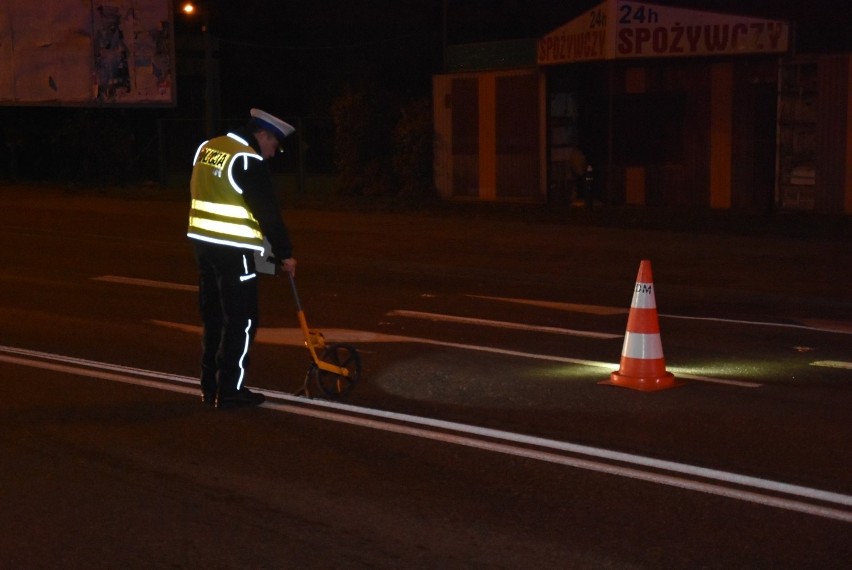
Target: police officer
{"points": [[233, 208]]}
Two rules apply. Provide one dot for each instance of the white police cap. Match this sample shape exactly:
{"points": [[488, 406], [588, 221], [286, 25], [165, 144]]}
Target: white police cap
{"points": [[272, 123]]}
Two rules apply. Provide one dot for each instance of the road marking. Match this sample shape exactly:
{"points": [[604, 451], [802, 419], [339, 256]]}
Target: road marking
{"points": [[833, 364], [826, 325], [820, 326], [145, 283], [99, 374], [497, 441], [295, 337], [572, 307], [839, 328], [807, 324], [498, 324]]}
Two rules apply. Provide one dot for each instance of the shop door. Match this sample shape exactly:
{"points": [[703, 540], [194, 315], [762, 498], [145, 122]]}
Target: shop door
{"points": [[465, 137], [517, 137]]}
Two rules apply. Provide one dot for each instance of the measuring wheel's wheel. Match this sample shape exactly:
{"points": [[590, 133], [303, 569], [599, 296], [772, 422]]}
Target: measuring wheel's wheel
{"points": [[330, 384]]}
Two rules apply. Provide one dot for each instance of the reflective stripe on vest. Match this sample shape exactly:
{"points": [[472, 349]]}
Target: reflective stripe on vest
{"points": [[219, 213], [223, 219]]}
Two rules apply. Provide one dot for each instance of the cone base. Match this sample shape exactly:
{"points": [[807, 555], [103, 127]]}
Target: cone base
{"points": [[667, 380]]}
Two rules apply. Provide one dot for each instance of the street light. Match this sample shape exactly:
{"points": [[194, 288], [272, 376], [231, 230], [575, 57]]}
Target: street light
{"points": [[211, 92]]}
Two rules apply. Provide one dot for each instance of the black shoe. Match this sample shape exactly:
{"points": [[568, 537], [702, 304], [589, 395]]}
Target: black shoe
{"points": [[242, 397], [208, 398]]}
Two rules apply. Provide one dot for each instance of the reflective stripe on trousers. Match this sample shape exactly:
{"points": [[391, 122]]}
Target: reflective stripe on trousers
{"points": [[229, 312]]}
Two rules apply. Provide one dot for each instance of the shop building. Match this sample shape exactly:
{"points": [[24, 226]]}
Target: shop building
{"points": [[657, 106]]}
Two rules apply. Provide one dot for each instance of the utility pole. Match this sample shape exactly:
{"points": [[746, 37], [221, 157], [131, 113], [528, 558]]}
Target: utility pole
{"points": [[211, 69]]}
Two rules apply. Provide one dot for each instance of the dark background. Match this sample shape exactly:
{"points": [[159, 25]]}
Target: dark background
{"points": [[293, 56]]}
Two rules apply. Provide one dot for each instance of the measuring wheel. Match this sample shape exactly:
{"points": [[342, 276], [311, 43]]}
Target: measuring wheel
{"points": [[331, 384]]}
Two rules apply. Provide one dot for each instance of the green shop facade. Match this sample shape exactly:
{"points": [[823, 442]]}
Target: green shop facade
{"points": [[655, 106]]}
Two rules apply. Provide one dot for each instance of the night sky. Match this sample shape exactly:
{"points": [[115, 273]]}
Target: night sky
{"points": [[298, 53]]}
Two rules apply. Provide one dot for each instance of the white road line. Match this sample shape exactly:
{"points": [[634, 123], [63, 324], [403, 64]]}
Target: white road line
{"points": [[841, 328], [812, 325], [145, 283], [498, 324], [611, 469], [101, 375], [838, 328], [572, 307], [364, 417], [827, 325]]}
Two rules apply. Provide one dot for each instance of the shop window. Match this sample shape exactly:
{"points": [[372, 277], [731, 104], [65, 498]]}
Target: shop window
{"points": [[797, 133]]}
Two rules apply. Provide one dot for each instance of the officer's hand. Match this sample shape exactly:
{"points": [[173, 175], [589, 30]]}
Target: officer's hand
{"points": [[289, 265]]}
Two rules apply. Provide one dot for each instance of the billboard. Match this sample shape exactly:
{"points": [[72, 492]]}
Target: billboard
{"points": [[621, 29], [87, 53]]}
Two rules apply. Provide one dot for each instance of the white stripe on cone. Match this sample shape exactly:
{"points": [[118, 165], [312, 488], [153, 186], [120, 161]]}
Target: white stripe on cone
{"points": [[644, 346]]}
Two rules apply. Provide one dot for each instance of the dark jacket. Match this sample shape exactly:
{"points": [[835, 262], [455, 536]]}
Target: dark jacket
{"points": [[259, 194]]}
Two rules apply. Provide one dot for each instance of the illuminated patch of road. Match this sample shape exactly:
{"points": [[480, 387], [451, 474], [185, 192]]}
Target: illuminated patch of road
{"points": [[294, 337], [795, 498]]}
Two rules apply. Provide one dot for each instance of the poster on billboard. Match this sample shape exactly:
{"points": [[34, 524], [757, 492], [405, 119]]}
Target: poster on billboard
{"points": [[87, 53], [623, 29]]}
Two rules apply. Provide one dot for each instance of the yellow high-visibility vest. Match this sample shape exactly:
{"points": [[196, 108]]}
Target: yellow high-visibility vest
{"points": [[219, 213]]}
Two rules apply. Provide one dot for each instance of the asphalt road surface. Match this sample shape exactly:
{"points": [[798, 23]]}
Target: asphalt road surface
{"points": [[479, 435]]}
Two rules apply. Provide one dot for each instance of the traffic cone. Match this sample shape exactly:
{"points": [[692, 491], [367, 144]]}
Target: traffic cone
{"points": [[642, 364]]}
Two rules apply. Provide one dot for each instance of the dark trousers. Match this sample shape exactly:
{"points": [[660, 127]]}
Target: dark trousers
{"points": [[228, 302]]}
